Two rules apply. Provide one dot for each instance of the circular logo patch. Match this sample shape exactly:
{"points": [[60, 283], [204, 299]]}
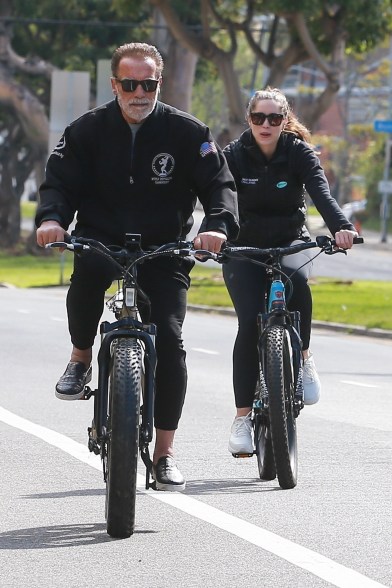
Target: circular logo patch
{"points": [[163, 165], [281, 184]]}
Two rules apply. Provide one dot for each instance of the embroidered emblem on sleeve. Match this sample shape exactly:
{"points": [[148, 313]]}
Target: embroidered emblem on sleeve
{"points": [[59, 147], [208, 147]]}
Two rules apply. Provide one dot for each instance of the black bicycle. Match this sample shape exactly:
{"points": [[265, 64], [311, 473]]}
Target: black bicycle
{"points": [[279, 390], [123, 420]]}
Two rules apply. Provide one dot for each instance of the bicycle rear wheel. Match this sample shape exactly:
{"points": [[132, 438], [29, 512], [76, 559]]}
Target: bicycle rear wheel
{"points": [[280, 385], [123, 436]]}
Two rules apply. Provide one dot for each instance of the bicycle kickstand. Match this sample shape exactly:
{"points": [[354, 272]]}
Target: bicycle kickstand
{"points": [[145, 455]]}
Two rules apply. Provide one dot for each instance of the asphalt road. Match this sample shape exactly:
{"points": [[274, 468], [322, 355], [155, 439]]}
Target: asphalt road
{"points": [[228, 528]]}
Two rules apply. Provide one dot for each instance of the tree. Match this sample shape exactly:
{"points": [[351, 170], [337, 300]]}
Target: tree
{"points": [[34, 42], [23, 131], [318, 30]]}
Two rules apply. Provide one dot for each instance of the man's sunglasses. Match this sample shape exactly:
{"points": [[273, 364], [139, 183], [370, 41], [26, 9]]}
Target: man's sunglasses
{"points": [[131, 85], [274, 119]]}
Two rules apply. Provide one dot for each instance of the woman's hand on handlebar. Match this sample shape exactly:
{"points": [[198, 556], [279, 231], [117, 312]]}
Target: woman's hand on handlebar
{"points": [[49, 232], [345, 238], [210, 240]]}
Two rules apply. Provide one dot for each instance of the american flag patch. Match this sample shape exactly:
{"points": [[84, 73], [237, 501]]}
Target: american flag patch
{"points": [[208, 147]]}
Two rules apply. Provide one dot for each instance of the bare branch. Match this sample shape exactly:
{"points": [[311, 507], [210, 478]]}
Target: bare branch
{"points": [[298, 20], [30, 65]]}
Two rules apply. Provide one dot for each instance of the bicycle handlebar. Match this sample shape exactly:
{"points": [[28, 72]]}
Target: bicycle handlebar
{"points": [[124, 254], [323, 242], [186, 249]]}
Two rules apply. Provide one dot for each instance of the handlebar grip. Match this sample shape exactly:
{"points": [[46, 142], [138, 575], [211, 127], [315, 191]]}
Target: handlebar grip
{"points": [[358, 240]]}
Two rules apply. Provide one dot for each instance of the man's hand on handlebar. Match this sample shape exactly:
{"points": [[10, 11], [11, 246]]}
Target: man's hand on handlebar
{"points": [[210, 240], [345, 238], [49, 232]]}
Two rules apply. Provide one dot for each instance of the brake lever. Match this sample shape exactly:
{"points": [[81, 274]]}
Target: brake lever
{"points": [[333, 251]]}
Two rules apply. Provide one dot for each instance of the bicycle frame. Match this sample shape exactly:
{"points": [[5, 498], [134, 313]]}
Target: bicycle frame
{"points": [[278, 397], [127, 325]]}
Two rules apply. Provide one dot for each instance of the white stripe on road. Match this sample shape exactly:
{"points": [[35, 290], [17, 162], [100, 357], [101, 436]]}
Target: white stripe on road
{"points": [[208, 351], [302, 557], [361, 384]]}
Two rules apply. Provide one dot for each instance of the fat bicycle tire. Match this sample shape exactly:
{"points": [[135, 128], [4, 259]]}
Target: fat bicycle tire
{"points": [[263, 441], [123, 436], [280, 386], [264, 451]]}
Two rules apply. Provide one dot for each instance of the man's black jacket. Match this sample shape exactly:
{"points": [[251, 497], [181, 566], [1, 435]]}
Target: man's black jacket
{"points": [[148, 187]]}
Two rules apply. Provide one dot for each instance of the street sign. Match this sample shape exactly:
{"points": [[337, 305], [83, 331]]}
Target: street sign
{"points": [[383, 126], [385, 186]]}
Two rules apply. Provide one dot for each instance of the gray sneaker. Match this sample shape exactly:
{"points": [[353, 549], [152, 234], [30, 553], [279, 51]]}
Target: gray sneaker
{"points": [[167, 476], [240, 442], [311, 382]]}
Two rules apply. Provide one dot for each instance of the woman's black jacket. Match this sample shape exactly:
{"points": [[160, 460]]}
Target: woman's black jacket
{"points": [[271, 193]]}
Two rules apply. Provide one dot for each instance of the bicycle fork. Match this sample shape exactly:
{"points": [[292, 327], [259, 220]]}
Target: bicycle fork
{"points": [[279, 315], [97, 433]]}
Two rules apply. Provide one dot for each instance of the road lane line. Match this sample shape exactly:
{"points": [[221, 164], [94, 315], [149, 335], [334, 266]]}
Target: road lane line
{"points": [[208, 351], [359, 384], [323, 567]]}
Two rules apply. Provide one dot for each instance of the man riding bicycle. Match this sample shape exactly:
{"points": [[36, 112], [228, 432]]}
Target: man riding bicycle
{"points": [[136, 165]]}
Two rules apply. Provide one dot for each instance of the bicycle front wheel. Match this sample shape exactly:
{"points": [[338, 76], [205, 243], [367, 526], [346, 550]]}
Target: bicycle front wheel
{"points": [[280, 385], [264, 452], [123, 436]]}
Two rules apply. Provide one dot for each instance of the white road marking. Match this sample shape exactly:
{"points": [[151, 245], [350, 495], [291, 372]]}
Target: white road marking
{"points": [[208, 351], [57, 318], [323, 567], [361, 384]]}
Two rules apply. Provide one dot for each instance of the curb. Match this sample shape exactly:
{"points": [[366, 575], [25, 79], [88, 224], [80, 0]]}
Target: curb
{"points": [[348, 329], [339, 327]]}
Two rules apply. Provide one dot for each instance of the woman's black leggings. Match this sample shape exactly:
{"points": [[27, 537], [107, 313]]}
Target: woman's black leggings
{"points": [[165, 281], [246, 283]]}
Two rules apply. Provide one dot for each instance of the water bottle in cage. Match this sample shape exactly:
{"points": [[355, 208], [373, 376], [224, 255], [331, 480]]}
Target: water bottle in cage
{"points": [[276, 297]]}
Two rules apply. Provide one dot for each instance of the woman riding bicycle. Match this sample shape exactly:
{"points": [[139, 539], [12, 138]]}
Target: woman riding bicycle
{"points": [[273, 163]]}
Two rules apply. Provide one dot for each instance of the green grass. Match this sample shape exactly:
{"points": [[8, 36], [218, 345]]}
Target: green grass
{"points": [[26, 271], [356, 302], [364, 303], [27, 209]]}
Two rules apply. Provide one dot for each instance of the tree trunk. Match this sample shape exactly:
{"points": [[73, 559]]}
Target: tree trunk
{"points": [[180, 66]]}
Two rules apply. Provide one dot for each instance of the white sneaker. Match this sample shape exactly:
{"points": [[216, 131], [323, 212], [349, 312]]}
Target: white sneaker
{"points": [[241, 435], [311, 382]]}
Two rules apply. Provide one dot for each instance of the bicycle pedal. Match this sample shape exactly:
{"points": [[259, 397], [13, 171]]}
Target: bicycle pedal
{"points": [[87, 393], [242, 455]]}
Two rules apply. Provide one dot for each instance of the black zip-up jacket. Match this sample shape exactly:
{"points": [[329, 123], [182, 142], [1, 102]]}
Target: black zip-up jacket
{"points": [[149, 187], [271, 193]]}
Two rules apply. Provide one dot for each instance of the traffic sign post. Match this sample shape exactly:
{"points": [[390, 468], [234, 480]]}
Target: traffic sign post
{"points": [[385, 188], [383, 126]]}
